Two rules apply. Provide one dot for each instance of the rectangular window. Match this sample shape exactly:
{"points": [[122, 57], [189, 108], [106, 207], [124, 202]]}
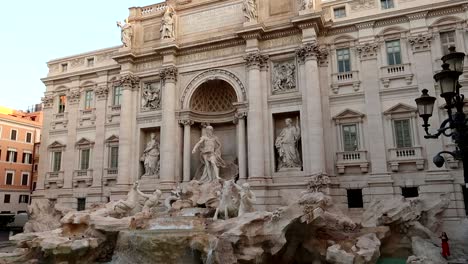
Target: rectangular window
{"points": [[84, 159], [403, 133], [12, 156], [90, 62], [23, 198], [355, 198], [409, 192], [24, 179], [386, 4], [88, 99], [13, 134], [56, 161], [117, 95], [339, 12], [114, 157], [393, 52], [81, 204], [28, 137], [447, 39], [7, 198], [9, 178], [64, 67], [62, 103], [343, 57], [350, 137], [27, 158]]}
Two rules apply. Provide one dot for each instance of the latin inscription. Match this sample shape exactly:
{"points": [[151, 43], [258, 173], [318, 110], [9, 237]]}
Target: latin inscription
{"points": [[211, 19]]}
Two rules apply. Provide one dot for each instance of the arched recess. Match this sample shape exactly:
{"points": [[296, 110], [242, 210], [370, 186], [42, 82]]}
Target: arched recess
{"points": [[393, 30], [446, 21], [213, 74]]}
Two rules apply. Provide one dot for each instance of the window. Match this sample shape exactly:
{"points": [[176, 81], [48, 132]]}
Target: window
{"points": [[7, 198], [13, 134], [117, 95], [350, 137], [393, 52], [12, 156], [90, 62], [84, 159], [81, 204], [28, 137], [24, 179], [409, 192], [9, 178], [56, 161], [64, 67], [343, 60], [447, 39], [27, 158], [62, 103], [355, 198], [402, 133], [88, 99], [114, 157], [23, 198], [386, 4], [339, 12]]}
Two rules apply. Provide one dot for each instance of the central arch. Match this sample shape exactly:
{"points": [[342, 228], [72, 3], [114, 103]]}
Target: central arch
{"points": [[213, 96]]}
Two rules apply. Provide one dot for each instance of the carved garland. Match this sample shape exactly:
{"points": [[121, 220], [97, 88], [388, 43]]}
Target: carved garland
{"points": [[48, 101], [213, 74], [101, 92], [368, 50], [420, 42], [73, 96]]}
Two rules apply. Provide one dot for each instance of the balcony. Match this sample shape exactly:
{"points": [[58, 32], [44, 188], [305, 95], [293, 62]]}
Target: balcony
{"points": [[352, 159], [54, 178], [394, 72], [345, 79], [406, 155], [85, 176], [110, 176]]}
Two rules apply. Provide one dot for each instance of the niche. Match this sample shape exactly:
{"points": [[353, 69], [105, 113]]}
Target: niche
{"points": [[149, 154], [287, 141]]}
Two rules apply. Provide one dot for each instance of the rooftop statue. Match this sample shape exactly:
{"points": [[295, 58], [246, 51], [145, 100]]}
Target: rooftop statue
{"points": [[126, 33], [168, 24], [250, 10]]}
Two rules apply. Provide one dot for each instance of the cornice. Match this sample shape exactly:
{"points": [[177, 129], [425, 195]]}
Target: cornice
{"points": [[68, 75]]}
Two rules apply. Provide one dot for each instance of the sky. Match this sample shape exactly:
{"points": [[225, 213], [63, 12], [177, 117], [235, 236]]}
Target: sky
{"points": [[35, 32]]}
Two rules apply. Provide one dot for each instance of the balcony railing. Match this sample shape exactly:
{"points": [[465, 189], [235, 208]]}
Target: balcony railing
{"points": [[85, 176], [54, 177], [60, 116], [406, 155], [352, 159], [399, 71], [88, 111], [111, 175], [343, 77]]}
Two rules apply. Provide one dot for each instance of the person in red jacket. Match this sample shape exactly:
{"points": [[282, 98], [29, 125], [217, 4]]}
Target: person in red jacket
{"points": [[445, 245]]}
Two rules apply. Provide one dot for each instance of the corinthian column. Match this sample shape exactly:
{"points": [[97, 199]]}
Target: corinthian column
{"points": [[187, 150], [241, 146], [169, 125], [255, 129], [312, 111], [128, 83]]}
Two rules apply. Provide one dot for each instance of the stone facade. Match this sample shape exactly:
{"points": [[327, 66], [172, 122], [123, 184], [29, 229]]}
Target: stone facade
{"points": [[347, 72]]}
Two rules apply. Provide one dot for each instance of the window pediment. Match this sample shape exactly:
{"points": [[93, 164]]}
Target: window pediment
{"points": [[56, 145], [401, 109], [83, 143], [347, 116], [112, 139]]}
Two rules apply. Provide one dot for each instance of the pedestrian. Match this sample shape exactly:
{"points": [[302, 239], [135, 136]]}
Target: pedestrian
{"points": [[445, 245]]}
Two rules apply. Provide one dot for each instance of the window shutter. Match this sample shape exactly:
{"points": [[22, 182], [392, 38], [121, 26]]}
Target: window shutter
{"points": [[15, 156]]}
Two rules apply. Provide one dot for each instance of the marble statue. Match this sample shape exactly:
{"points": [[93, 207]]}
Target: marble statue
{"points": [[168, 24], [210, 152], [127, 206], [151, 96], [151, 202], [284, 77], [229, 201], [306, 4], [250, 10], [286, 144], [247, 198], [126, 33], [150, 157]]}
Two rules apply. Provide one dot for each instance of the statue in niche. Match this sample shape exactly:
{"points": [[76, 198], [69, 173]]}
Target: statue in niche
{"points": [[210, 152], [286, 144], [284, 77], [250, 10], [151, 96], [168, 24], [150, 157], [126, 33]]}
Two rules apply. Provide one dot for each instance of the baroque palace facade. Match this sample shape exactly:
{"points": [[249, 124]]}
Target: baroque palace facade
{"points": [[291, 88]]}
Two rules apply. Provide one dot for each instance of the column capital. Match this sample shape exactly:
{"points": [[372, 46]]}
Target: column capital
{"points": [[239, 115], [48, 101], [421, 42], [101, 92], [73, 96], [312, 51], [169, 74], [186, 122], [129, 81], [256, 59], [368, 50]]}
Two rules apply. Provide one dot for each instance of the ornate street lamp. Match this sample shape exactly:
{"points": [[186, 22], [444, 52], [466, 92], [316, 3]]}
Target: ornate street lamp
{"points": [[455, 126]]}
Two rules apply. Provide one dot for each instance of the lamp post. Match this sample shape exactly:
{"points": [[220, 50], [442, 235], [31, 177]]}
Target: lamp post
{"points": [[455, 126]]}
